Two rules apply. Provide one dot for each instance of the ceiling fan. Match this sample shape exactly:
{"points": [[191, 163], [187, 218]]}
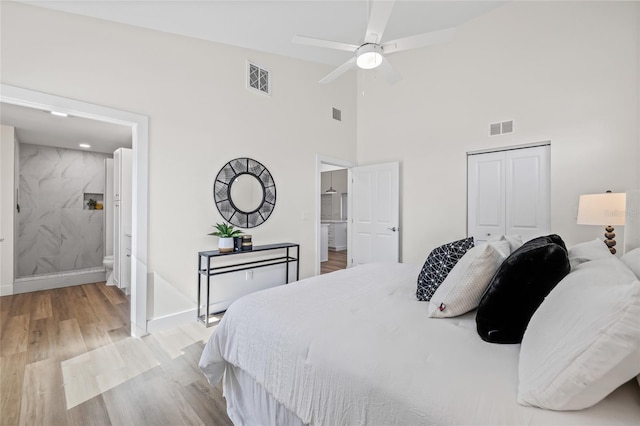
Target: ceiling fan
{"points": [[371, 53]]}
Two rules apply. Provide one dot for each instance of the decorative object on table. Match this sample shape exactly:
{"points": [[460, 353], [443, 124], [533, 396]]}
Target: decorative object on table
{"points": [[226, 233], [606, 209], [237, 243], [246, 244], [92, 204], [244, 192]]}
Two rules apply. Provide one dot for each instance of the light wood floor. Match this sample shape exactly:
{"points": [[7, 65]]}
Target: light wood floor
{"points": [[337, 260], [67, 358]]}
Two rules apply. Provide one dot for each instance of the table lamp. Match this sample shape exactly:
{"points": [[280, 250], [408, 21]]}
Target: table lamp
{"points": [[603, 209]]}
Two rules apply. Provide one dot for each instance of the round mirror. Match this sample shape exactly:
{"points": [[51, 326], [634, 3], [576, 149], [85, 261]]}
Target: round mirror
{"points": [[244, 193]]}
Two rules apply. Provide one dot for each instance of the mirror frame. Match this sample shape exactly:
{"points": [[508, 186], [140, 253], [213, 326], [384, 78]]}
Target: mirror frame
{"points": [[222, 193]]}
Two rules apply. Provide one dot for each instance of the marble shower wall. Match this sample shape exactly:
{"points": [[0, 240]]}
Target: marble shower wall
{"points": [[55, 232]]}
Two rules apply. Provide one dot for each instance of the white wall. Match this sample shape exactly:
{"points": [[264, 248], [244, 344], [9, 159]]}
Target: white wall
{"points": [[201, 116], [7, 201], [563, 71]]}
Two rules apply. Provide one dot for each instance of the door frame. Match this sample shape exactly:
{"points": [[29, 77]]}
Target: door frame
{"points": [[320, 160], [140, 179]]}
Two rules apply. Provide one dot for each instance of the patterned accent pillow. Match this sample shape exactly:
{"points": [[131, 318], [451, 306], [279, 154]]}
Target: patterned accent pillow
{"points": [[439, 263]]}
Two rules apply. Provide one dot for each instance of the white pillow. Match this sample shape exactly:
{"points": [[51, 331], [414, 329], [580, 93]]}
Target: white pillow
{"points": [[588, 251], [462, 290], [515, 241], [632, 260], [584, 339]]}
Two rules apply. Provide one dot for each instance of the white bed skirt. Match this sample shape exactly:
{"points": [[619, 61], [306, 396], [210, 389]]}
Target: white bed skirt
{"points": [[250, 404]]}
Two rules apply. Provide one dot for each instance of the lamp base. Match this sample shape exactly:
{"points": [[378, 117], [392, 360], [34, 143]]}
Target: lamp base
{"points": [[610, 239]]}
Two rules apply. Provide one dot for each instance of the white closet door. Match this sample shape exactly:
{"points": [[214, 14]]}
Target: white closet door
{"points": [[486, 192], [508, 193], [527, 192]]}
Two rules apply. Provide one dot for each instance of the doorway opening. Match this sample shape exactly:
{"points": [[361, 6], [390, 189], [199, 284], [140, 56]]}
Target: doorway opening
{"points": [[332, 214], [139, 130]]}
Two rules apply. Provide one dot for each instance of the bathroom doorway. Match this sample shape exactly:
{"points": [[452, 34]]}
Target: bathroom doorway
{"points": [[138, 125], [62, 211]]}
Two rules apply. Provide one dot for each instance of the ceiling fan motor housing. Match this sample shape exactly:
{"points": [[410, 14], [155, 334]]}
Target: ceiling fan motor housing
{"points": [[369, 56]]}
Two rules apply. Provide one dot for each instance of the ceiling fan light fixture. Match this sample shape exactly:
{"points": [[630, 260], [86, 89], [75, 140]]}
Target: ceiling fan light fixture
{"points": [[369, 56]]}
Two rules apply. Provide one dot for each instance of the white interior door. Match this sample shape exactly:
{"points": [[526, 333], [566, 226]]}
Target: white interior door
{"points": [[485, 192], [375, 208], [527, 192]]}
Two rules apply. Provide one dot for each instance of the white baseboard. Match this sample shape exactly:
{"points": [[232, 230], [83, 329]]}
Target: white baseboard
{"points": [[174, 320], [169, 321], [48, 282], [338, 248], [6, 290]]}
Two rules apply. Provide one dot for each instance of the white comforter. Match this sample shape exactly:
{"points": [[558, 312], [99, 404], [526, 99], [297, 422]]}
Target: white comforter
{"points": [[355, 347]]}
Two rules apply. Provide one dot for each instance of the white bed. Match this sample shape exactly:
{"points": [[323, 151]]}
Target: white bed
{"points": [[355, 347]]}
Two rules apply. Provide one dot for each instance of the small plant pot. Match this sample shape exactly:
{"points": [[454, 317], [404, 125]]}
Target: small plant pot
{"points": [[225, 245]]}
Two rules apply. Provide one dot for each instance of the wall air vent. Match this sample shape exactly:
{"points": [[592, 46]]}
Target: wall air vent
{"points": [[507, 126], [337, 114], [258, 79], [500, 128]]}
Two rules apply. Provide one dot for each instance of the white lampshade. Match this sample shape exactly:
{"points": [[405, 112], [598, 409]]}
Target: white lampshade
{"points": [[602, 209]]}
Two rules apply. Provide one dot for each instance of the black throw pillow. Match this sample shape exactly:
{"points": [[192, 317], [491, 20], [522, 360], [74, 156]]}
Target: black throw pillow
{"points": [[519, 286], [439, 263]]}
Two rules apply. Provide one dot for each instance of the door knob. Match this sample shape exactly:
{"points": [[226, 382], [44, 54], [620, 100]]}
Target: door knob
{"points": [[394, 229]]}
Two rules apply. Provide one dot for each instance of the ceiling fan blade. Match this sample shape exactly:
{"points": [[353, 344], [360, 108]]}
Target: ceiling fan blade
{"points": [[310, 41], [339, 71], [378, 18], [420, 40], [389, 72]]}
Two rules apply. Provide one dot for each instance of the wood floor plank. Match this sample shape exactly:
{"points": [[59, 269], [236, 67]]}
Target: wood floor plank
{"points": [[20, 304], [113, 293], [93, 412], [61, 303], [41, 305], [70, 342], [94, 335], [103, 309], [43, 394], [42, 339], [15, 335], [12, 367], [81, 308], [207, 402]]}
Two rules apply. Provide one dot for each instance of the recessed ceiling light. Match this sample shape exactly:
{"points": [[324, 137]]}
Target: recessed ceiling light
{"points": [[84, 145], [59, 114]]}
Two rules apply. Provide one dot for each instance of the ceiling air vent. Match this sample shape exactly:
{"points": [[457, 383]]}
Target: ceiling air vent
{"points": [[337, 114], [258, 79]]}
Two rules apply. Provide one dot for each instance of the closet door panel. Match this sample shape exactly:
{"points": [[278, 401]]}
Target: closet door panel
{"points": [[486, 192], [527, 192]]}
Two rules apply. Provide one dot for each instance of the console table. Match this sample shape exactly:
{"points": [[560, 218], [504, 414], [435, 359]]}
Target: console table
{"points": [[277, 254]]}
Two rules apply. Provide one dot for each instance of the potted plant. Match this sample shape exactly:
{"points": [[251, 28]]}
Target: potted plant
{"points": [[92, 204], [226, 233]]}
